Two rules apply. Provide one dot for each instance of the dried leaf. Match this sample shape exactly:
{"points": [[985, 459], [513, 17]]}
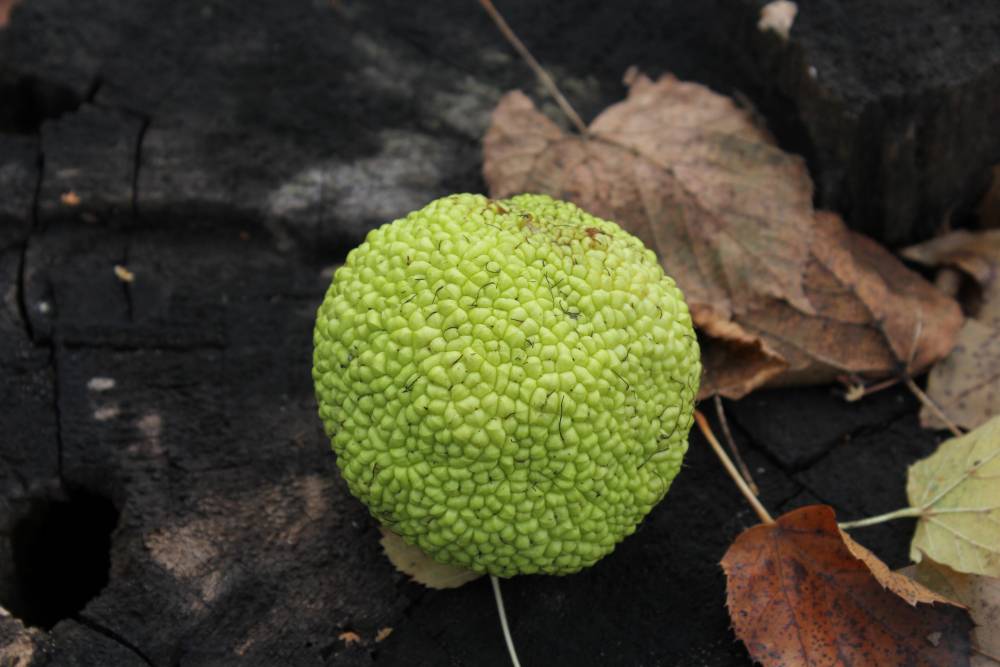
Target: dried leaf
{"points": [[781, 294], [980, 594], [349, 637], [966, 384], [778, 15], [957, 490], [411, 560], [123, 274], [976, 254], [801, 592], [870, 313], [383, 634]]}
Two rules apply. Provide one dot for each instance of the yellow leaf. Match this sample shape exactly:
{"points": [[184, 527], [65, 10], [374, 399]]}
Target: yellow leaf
{"points": [[422, 568], [956, 492]]}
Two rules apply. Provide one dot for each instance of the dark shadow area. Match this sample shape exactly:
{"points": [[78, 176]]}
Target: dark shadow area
{"points": [[29, 101], [61, 554]]}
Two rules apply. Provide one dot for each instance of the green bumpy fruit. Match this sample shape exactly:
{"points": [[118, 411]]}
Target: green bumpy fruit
{"points": [[509, 385]]}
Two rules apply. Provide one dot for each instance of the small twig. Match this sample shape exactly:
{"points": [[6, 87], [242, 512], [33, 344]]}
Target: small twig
{"points": [[542, 75], [854, 390], [503, 621], [933, 407], [728, 435], [905, 370], [905, 513], [706, 430]]}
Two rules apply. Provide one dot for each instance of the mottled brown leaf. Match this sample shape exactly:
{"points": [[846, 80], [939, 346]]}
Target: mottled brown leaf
{"points": [[780, 293], [801, 592], [980, 594]]}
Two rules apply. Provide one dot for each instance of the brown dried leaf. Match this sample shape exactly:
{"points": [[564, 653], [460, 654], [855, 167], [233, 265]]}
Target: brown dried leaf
{"points": [[411, 560], [976, 254], [871, 313], [781, 294], [966, 384], [801, 592], [735, 361], [721, 162], [980, 594]]}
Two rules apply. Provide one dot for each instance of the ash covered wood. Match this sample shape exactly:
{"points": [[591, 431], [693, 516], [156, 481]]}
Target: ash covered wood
{"points": [[226, 155]]}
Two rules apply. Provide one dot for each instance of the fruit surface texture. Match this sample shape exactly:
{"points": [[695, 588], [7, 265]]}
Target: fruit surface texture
{"points": [[507, 384]]}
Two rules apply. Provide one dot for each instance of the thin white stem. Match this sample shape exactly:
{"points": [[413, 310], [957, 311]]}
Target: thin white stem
{"points": [[905, 513], [503, 621]]}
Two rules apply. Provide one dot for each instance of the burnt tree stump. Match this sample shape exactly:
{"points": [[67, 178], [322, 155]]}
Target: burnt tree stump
{"points": [[894, 104], [177, 182]]}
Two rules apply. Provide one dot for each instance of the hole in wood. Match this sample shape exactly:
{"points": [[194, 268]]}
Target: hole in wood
{"points": [[61, 556]]}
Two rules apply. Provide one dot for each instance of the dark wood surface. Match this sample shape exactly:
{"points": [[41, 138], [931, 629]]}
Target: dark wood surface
{"points": [[228, 154]]}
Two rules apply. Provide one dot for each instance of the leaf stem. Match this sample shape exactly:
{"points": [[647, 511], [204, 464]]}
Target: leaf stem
{"points": [[727, 463], [905, 513], [728, 436], [542, 75], [503, 621], [933, 407]]}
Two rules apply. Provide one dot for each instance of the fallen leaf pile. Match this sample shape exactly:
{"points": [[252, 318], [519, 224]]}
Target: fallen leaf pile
{"points": [[801, 592], [781, 293]]}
